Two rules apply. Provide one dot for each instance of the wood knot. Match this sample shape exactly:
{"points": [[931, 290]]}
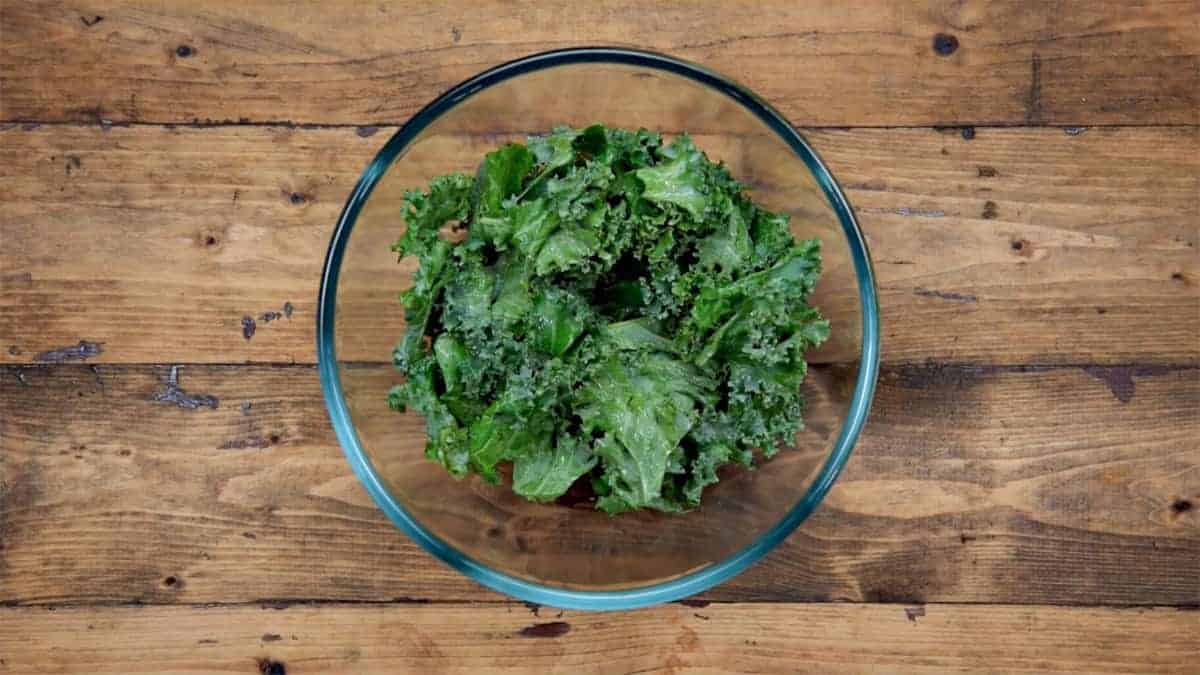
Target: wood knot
{"points": [[945, 44]]}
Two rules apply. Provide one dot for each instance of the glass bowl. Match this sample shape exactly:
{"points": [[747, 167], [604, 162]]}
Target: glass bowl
{"points": [[562, 554]]}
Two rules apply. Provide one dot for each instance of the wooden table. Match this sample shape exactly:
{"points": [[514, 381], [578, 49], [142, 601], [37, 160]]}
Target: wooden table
{"points": [[1027, 492]]}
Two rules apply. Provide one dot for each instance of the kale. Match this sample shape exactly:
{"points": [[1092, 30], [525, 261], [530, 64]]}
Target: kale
{"points": [[617, 312]]}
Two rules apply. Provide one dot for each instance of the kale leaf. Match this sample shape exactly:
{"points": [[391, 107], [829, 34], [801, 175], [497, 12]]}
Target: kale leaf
{"points": [[619, 313]]}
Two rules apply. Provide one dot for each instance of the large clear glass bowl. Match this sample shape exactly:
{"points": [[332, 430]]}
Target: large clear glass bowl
{"points": [[569, 555]]}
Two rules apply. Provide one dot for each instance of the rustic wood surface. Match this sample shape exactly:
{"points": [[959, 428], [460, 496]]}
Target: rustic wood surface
{"points": [[868, 63], [1002, 484], [1026, 496], [1083, 247], [509, 637]]}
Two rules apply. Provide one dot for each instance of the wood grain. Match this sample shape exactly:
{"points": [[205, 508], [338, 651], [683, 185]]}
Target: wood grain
{"points": [[156, 243], [868, 63], [1002, 484], [777, 638]]}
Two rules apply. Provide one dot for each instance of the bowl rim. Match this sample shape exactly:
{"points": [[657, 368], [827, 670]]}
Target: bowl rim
{"points": [[569, 598]]}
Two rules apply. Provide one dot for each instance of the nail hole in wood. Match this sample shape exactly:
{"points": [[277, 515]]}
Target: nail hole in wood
{"points": [[945, 44]]}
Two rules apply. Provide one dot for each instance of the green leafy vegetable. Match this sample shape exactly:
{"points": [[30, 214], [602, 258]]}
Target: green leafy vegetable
{"points": [[619, 314]]}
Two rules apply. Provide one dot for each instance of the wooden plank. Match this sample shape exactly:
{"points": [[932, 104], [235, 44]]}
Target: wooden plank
{"points": [[869, 63], [777, 638], [1003, 484], [157, 243]]}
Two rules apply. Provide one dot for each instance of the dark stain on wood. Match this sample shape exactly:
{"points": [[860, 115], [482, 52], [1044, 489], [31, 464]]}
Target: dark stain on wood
{"points": [[914, 613], [986, 171], [366, 131], [206, 641], [1181, 506], [906, 211], [869, 186], [268, 317], [248, 327], [968, 133], [533, 608], [271, 637], [271, 667], [694, 602], [455, 34], [702, 617], [923, 213], [945, 44], [945, 295], [1022, 247], [1033, 102], [257, 442], [83, 350], [937, 374], [90, 21], [989, 209], [1074, 131], [173, 393], [73, 162], [96, 376], [1119, 380], [551, 629]]}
